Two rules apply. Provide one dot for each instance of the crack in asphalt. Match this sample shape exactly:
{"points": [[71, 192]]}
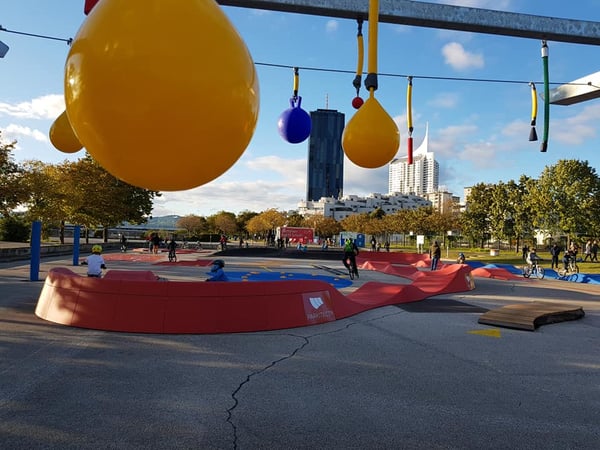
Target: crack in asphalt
{"points": [[305, 342]]}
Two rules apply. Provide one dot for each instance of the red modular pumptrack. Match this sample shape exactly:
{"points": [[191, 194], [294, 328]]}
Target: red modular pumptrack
{"points": [[137, 301]]}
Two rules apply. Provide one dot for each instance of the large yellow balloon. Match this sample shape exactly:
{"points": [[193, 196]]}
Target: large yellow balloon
{"points": [[163, 94], [371, 138], [62, 135]]}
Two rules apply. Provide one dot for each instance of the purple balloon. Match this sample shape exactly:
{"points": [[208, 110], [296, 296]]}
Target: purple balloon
{"points": [[294, 123]]}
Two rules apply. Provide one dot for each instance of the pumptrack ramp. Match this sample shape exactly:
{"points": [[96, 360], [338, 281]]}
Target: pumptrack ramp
{"points": [[137, 301]]}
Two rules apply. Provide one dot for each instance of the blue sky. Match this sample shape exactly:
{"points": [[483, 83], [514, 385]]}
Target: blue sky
{"points": [[478, 131]]}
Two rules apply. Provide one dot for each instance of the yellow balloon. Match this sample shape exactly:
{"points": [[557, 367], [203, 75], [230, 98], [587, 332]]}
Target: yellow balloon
{"points": [[163, 94], [371, 138], [62, 135]]}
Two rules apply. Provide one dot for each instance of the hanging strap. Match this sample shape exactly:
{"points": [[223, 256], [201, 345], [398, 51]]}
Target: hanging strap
{"points": [[544, 146], [534, 108], [371, 79], [361, 57]]}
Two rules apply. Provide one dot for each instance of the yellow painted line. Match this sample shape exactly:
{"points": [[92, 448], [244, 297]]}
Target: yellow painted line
{"points": [[493, 332]]}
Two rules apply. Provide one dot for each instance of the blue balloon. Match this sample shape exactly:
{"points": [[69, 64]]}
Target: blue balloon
{"points": [[294, 123]]}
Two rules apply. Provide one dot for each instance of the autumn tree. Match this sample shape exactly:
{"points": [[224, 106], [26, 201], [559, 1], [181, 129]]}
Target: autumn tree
{"points": [[242, 220], [192, 224], [223, 222], [357, 223], [48, 200], [325, 227], [97, 198], [266, 222]]}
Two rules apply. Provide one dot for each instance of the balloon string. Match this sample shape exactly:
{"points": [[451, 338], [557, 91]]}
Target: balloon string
{"points": [[544, 146]]}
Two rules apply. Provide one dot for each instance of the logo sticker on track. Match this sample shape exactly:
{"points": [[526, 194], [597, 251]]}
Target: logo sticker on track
{"points": [[317, 307]]}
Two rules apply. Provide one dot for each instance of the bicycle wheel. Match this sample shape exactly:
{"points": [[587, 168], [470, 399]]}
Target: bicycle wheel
{"points": [[526, 271], [540, 273]]}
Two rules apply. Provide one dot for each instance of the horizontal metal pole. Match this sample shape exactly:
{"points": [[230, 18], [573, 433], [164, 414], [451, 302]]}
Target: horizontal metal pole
{"points": [[448, 17]]}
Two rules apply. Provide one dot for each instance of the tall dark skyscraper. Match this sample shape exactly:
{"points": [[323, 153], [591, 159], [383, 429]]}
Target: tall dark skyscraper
{"points": [[325, 155]]}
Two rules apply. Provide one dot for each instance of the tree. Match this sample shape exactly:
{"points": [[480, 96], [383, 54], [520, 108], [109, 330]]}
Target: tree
{"points": [[12, 191], [192, 224], [523, 207], [47, 199], [294, 219], [98, 198], [242, 220], [325, 227], [567, 198], [475, 221], [224, 223], [356, 223]]}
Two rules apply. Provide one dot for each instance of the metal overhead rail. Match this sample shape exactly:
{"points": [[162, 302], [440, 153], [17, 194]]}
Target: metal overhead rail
{"points": [[434, 15]]}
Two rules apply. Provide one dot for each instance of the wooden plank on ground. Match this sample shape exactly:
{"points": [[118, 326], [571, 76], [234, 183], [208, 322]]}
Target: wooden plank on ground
{"points": [[529, 316]]}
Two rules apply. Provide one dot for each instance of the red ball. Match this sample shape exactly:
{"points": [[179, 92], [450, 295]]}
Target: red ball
{"points": [[357, 102]]}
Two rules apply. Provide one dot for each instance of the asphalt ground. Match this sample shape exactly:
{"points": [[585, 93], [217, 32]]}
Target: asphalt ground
{"points": [[423, 375]]}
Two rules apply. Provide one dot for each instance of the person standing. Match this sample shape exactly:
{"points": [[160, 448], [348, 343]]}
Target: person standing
{"points": [[587, 251], [594, 251], [435, 253], [555, 253], [525, 252]]}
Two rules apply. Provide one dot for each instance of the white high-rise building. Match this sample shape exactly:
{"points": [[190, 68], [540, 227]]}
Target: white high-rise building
{"points": [[420, 177]]}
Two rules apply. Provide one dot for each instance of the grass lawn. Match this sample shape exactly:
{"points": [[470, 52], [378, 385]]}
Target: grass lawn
{"points": [[510, 257]]}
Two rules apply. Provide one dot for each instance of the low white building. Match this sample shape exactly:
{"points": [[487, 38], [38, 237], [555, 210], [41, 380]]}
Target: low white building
{"points": [[350, 205]]}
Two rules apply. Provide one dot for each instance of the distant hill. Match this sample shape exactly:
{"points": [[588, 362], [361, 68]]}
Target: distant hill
{"points": [[157, 223]]}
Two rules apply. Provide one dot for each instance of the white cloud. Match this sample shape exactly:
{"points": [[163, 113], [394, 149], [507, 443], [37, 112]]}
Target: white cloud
{"points": [[332, 26], [231, 196], [13, 131], [456, 56], [445, 100], [45, 107]]}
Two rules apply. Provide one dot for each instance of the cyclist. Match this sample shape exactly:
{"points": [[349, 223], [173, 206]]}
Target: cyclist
{"points": [[350, 252], [172, 246], [461, 258], [123, 243], [570, 256], [533, 258]]}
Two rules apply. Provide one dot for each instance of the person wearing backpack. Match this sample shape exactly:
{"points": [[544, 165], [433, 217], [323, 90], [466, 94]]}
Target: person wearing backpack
{"points": [[350, 252]]}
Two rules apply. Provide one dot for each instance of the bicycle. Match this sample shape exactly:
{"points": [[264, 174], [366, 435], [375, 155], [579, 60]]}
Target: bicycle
{"points": [[533, 269], [572, 268], [172, 255], [351, 266]]}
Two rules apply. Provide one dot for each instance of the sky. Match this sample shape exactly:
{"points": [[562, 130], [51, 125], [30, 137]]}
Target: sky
{"points": [[478, 130]]}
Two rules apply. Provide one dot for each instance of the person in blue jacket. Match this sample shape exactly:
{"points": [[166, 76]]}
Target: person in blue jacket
{"points": [[216, 271]]}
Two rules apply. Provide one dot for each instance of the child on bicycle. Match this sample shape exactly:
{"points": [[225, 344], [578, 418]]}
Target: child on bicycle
{"points": [[533, 258], [570, 256]]}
